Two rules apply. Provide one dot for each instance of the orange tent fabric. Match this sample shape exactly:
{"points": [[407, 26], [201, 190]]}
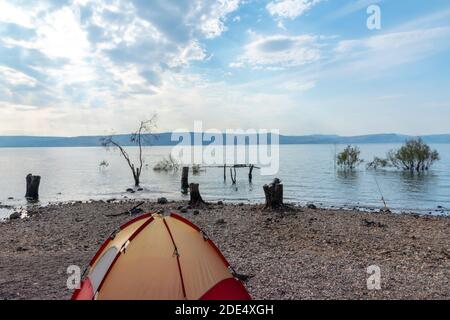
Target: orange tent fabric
{"points": [[156, 257]]}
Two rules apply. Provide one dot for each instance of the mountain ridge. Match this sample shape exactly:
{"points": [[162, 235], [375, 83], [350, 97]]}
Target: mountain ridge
{"points": [[164, 139]]}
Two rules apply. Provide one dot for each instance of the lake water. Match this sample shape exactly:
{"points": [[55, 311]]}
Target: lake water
{"points": [[307, 172]]}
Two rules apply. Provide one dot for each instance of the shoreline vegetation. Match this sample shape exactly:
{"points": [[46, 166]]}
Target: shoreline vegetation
{"points": [[298, 253]]}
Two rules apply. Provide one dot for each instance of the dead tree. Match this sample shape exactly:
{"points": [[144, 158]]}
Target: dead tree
{"points": [[196, 199], [32, 193], [274, 194], [136, 138], [184, 180]]}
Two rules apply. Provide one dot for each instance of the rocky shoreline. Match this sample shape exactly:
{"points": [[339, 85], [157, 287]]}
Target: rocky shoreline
{"points": [[302, 253]]}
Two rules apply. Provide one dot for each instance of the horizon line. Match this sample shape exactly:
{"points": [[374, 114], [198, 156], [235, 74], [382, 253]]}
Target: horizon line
{"points": [[244, 133]]}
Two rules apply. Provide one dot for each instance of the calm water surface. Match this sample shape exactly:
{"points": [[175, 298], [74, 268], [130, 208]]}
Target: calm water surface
{"points": [[307, 171]]}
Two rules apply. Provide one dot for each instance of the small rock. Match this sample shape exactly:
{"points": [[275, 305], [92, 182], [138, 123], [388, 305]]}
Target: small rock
{"points": [[180, 207], [184, 210], [162, 200], [15, 215], [220, 221], [140, 189], [130, 190], [111, 200], [196, 212], [312, 206], [136, 211], [10, 198], [440, 207], [241, 204], [220, 203], [21, 249], [368, 223], [160, 211]]}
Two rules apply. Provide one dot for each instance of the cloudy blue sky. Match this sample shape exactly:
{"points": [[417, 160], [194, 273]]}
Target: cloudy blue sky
{"points": [[77, 67]]}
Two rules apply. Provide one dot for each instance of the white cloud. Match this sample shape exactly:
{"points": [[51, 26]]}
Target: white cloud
{"points": [[84, 58], [279, 51], [212, 23], [192, 52], [298, 86], [236, 65], [394, 48], [290, 9], [13, 14], [352, 7], [15, 77], [59, 34], [89, 49]]}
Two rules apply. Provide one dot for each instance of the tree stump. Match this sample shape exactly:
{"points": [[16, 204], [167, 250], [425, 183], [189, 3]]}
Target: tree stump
{"points": [[274, 194], [196, 199], [32, 192], [184, 180]]}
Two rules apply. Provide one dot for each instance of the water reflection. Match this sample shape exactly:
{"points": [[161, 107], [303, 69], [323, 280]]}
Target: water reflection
{"points": [[346, 176]]}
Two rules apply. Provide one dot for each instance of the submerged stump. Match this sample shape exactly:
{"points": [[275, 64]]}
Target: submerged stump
{"points": [[184, 180], [196, 199], [32, 192], [274, 194]]}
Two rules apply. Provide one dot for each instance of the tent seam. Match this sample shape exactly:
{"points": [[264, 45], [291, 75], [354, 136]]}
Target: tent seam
{"points": [[178, 258]]}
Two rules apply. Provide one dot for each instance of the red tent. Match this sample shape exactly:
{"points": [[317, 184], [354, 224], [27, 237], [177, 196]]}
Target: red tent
{"points": [[160, 257]]}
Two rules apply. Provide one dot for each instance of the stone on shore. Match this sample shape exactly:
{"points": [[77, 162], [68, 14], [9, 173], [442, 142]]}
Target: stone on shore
{"points": [[162, 200], [15, 215]]}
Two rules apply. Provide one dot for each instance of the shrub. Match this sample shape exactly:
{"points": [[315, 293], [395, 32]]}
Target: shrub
{"points": [[169, 164], [378, 163], [349, 158], [414, 155]]}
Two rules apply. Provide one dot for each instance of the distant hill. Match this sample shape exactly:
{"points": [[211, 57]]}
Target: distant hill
{"points": [[164, 139]]}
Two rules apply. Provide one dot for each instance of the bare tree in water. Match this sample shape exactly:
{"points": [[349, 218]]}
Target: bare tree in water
{"points": [[141, 137]]}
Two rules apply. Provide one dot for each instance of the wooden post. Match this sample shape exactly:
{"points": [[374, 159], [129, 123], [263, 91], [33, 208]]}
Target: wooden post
{"points": [[274, 194], [250, 176], [184, 180], [32, 192], [224, 172], [196, 199], [233, 178]]}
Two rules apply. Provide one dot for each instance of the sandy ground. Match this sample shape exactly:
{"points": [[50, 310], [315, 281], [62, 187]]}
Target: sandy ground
{"points": [[300, 254]]}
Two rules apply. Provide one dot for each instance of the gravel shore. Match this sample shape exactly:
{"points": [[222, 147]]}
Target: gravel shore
{"points": [[299, 254]]}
